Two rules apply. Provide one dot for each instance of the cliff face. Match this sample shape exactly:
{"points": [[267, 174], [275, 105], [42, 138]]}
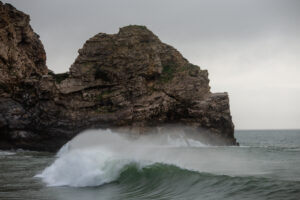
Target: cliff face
{"points": [[129, 79], [22, 56]]}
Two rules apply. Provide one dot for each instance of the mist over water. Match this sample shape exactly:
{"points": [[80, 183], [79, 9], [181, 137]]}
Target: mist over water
{"points": [[96, 157], [104, 164]]}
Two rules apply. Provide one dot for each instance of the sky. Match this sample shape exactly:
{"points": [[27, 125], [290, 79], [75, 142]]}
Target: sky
{"points": [[251, 48]]}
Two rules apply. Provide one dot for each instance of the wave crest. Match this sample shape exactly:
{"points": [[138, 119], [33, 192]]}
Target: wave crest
{"points": [[97, 157]]}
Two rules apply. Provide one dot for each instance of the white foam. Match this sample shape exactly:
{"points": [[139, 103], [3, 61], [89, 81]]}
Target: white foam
{"points": [[6, 153], [88, 167], [96, 157]]}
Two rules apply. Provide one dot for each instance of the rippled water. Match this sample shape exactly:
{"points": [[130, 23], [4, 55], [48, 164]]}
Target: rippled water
{"points": [[109, 166]]}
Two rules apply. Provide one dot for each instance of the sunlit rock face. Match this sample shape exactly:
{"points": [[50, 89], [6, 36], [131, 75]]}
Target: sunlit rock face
{"points": [[129, 80]]}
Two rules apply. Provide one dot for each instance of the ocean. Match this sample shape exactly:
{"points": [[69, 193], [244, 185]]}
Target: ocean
{"points": [[111, 166]]}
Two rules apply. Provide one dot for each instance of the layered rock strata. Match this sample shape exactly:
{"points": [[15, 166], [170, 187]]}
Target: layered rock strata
{"points": [[129, 80]]}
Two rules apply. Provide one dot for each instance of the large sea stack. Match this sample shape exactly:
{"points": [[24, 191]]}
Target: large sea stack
{"points": [[127, 80]]}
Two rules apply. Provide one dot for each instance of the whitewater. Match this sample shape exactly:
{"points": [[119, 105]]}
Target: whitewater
{"points": [[105, 164]]}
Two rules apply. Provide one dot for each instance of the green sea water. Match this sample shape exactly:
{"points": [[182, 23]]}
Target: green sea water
{"points": [[265, 166]]}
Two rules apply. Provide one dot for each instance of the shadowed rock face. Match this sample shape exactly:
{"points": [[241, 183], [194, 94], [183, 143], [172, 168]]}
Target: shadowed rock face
{"points": [[129, 80]]}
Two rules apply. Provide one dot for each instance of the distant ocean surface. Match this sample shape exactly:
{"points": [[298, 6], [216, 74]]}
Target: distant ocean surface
{"points": [[108, 166]]}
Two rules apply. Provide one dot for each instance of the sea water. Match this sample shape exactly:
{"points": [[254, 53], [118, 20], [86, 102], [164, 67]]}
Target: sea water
{"points": [[102, 164]]}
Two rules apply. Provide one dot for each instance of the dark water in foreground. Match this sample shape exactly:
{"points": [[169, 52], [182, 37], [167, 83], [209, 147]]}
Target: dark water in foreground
{"points": [[265, 166]]}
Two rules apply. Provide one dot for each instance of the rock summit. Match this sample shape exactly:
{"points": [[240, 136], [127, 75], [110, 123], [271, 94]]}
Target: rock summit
{"points": [[127, 80]]}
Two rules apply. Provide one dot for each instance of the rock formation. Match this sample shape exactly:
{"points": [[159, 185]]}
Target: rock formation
{"points": [[126, 80]]}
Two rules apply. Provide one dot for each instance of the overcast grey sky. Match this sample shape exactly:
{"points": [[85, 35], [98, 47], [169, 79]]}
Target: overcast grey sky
{"points": [[251, 48]]}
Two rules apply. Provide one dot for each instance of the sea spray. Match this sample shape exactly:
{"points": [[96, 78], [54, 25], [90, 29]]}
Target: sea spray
{"points": [[96, 157], [268, 171], [99, 156]]}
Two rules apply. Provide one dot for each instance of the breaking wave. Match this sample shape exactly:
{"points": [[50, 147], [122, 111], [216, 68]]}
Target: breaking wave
{"points": [[96, 157], [169, 165]]}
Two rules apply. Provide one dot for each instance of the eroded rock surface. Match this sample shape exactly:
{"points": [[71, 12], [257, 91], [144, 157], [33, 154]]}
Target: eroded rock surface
{"points": [[126, 80]]}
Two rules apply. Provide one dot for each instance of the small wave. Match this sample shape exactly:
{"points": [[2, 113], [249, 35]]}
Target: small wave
{"points": [[149, 181], [6, 153]]}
